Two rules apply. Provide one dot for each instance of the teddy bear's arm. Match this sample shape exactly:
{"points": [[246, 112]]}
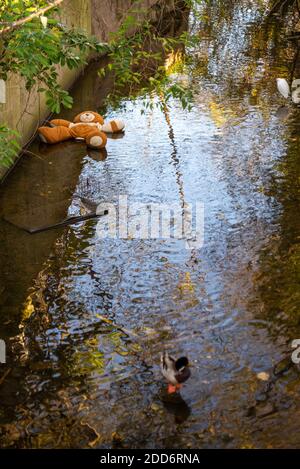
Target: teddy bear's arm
{"points": [[60, 122]]}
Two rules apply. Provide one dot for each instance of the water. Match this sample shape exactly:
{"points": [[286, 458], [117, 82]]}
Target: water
{"points": [[72, 380]]}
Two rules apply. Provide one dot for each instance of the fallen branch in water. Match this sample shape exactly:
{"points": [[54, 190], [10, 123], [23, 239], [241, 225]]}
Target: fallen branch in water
{"points": [[280, 5], [116, 326], [30, 153], [4, 376], [66, 222], [294, 37], [277, 6]]}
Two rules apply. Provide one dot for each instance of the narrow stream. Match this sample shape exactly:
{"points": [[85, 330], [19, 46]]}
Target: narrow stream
{"points": [[232, 306]]}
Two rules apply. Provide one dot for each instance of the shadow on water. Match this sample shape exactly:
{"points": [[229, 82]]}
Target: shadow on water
{"points": [[73, 380], [178, 407]]}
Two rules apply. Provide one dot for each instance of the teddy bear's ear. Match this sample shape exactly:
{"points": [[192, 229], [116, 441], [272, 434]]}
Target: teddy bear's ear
{"points": [[97, 118], [77, 118]]}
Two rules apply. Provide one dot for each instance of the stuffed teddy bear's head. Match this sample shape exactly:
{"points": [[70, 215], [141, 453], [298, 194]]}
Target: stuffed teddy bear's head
{"points": [[88, 117]]}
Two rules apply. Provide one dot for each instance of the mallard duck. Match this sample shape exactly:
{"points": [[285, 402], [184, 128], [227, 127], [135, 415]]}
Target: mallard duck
{"points": [[175, 371]]}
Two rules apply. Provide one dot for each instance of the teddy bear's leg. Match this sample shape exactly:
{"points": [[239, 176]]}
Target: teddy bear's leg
{"points": [[117, 125], [96, 139], [54, 134]]}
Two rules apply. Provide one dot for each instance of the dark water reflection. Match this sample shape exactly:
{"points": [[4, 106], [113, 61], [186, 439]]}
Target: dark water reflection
{"points": [[232, 307]]}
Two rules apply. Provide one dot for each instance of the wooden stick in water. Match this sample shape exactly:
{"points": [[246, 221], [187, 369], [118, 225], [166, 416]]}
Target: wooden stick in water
{"points": [[122, 329], [67, 221], [4, 375]]}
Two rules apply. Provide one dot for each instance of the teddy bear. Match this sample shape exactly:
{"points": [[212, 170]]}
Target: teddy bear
{"points": [[87, 125]]}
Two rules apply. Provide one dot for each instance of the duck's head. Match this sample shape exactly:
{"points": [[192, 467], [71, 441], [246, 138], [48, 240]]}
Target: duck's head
{"points": [[181, 363]]}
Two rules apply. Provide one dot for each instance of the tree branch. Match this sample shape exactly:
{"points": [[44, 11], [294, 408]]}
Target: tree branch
{"points": [[36, 14]]}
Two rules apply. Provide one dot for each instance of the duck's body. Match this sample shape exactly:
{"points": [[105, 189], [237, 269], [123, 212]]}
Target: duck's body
{"points": [[175, 371]]}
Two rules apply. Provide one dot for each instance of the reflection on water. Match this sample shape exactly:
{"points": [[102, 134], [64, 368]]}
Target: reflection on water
{"points": [[73, 380]]}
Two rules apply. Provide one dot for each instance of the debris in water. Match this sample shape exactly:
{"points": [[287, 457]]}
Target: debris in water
{"points": [[66, 222], [283, 87], [263, 376]]}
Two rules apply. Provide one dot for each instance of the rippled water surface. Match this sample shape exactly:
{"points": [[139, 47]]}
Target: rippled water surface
{"points": [[73, 380]]}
